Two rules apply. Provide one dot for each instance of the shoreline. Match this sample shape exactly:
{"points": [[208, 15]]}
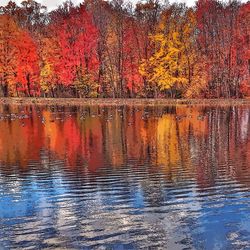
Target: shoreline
{"points": [[121, 102]]}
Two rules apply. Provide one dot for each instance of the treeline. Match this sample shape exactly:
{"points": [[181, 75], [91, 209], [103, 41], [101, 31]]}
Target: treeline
{"points": [[114, 49]]}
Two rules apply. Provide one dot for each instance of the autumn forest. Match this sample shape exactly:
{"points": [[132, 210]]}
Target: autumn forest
{"points": [[116, 49]]}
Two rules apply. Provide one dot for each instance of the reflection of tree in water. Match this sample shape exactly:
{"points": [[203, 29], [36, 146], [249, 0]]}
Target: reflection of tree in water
{"points": [[90, 172], [223, 150], [176, 139]]}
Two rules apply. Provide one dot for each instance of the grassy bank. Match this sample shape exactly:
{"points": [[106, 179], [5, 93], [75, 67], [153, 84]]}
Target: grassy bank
{"points": [[129, 102]]}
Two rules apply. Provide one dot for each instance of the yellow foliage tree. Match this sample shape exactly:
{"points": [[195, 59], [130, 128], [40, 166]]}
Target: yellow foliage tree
{"points": [[49, 55], [171, 67], [85, 85], [45, 75]]}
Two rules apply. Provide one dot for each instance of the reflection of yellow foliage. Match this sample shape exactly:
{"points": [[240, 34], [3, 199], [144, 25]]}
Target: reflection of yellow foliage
{"points": [[173, 147], [115, 135], [167, 141]]}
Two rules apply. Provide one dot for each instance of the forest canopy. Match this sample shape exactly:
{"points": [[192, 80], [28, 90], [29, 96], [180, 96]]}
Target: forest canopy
{"points": [[119, 50]]}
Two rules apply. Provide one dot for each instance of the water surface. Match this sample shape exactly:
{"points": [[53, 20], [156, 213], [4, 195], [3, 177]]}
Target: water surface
{"points": [[124, 177]]}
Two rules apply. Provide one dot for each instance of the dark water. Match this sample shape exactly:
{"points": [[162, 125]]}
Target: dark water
{"points": [[124, 178]]}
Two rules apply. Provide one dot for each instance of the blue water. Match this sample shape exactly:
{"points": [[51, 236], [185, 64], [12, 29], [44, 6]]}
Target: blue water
{"points": [[124, 178]]}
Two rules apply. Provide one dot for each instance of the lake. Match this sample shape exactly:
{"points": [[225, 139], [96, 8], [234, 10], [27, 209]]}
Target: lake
{"points": [[99, 177]]}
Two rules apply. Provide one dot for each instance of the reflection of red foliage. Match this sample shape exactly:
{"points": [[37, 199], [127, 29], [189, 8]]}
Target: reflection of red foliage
{"points": [[21, 140], [76, 146]]}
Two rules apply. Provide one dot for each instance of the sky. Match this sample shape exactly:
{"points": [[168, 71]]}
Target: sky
{"points": [[52, 4]]}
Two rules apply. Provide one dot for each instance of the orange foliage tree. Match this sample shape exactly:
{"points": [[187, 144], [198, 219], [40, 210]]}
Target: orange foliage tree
{"points": [[19, 69]]}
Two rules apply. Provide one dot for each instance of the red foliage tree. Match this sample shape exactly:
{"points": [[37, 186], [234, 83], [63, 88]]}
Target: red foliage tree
{"points": [[132, 59], [28, 65], [77, 38]]}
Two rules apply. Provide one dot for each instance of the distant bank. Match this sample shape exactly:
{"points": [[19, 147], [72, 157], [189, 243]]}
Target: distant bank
{"points": [[120, 102]]}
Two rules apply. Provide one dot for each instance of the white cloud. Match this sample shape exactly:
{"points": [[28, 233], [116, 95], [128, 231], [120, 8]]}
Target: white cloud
{"points": [[52, 4]]}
